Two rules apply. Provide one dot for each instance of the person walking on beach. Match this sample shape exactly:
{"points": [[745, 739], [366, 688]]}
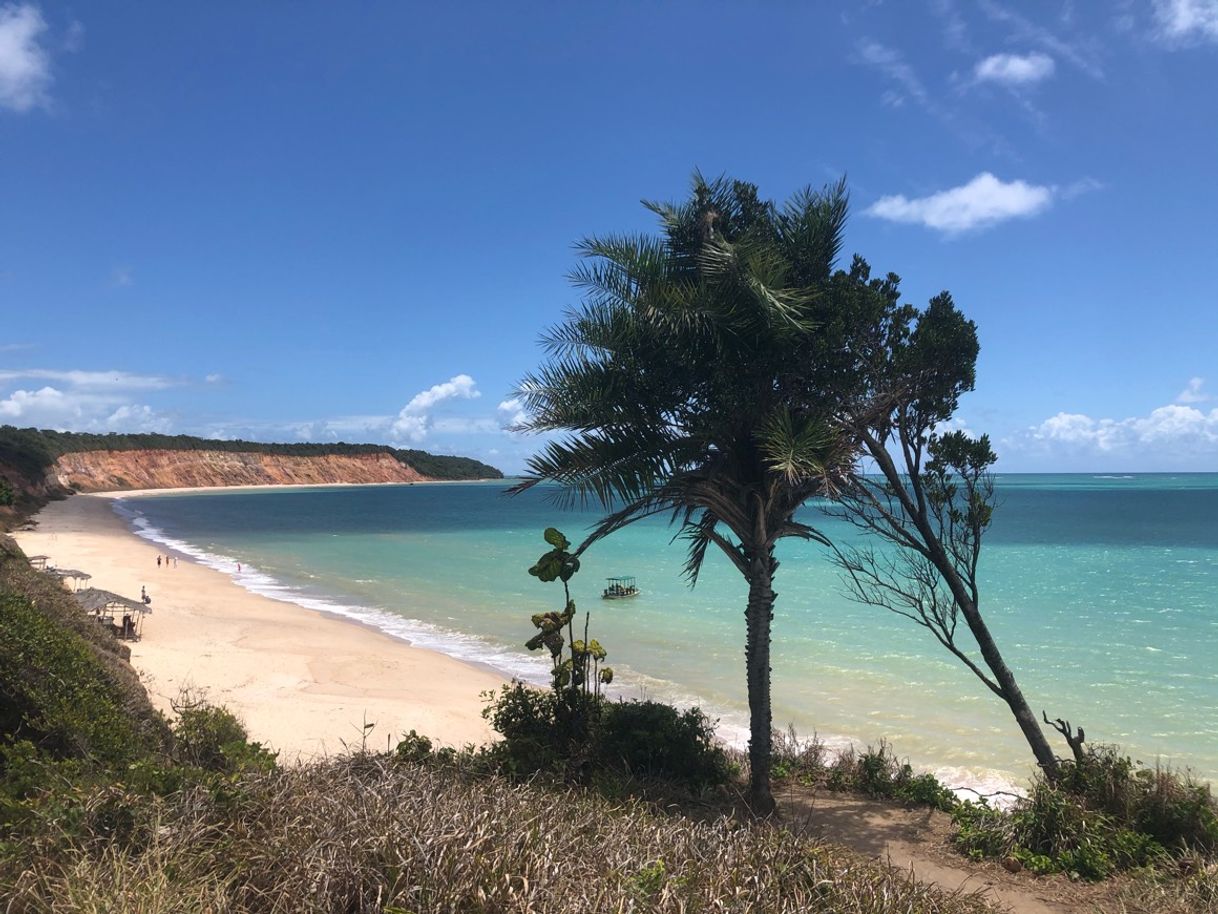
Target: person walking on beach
{"points": [[158, 560]]}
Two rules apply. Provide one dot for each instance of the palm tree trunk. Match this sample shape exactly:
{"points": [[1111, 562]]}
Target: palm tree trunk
{"points": [[758, 617]]}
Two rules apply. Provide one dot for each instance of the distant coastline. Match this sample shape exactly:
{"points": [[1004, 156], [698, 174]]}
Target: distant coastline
{"points": [[39, 465]]}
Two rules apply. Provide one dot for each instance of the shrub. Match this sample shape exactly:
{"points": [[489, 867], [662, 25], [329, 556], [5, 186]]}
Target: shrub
{"points": [[211, 738], [1106, 814], [1167, 805], [876, 772], [413, 748], [55, 693], [574, 735], [653, 740]]}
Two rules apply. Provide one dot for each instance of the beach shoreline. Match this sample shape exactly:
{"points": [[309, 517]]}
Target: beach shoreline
{"points": [[303, 681], [116, 494]]}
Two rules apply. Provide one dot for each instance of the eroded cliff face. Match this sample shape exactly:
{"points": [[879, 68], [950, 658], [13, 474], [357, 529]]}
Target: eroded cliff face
{"points": [[105, 471]]}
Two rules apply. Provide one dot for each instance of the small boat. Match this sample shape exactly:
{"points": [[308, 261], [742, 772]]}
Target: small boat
{"points": [[620, 588]]}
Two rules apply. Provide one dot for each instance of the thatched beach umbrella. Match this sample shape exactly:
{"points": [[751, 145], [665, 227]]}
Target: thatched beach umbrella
{"points": [[105, 605], [70, 574]]}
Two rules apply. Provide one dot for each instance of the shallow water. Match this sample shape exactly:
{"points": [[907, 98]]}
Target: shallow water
{"points": [[1101, 590]]}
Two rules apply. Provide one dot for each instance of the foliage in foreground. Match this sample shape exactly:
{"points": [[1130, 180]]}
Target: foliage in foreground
{"points": [[873, 772], [571, 731], [54, 693], [368, 834], [643, 740], [1107, 814]]}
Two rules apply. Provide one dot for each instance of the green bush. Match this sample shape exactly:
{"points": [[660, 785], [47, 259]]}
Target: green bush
{"points": [[1169, 806], [876, 772], [653, 740], [1106, 814], [413, 747], [55, 693], [7, 495], [572, 735], [211, 738]]}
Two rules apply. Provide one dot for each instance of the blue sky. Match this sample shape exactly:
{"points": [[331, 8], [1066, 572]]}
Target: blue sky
{"points": [[321, 221]]}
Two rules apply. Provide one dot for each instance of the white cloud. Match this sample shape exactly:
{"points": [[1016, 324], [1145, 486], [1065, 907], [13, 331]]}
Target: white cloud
{"points": [[93, 380], [890, 62], [466, 426], [1173, 436], [137, 418], [1187, 20], [461, 385], [93, 401], [1015, 69], [410, 428], [982, 202], [214, 378], [413, 422], [1193, 393], [512, 412], [74, 40], [79, 410], [47, 401], [25, 67], [1083, 54], [1078, 188]]}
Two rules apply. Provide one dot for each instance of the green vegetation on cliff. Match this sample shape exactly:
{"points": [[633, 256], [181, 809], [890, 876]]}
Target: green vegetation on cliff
{"points": [[65, 685], [29, 451]]}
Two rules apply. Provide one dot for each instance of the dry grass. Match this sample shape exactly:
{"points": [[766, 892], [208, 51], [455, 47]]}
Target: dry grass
{"points": [[362, 834], [1194, 892]]}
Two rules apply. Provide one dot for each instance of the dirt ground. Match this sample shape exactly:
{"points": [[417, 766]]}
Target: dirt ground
{"points": [[916, 839]]}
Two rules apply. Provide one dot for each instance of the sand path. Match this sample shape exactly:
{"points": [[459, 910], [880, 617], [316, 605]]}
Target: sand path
{"points": [[915, 840]]}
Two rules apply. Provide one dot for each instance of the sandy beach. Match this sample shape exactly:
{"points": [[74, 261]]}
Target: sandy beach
{"points": [[303, 682]]}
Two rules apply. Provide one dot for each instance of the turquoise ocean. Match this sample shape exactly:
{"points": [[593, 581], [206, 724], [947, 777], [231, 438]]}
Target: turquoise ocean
{"points": [[1102, 591]]}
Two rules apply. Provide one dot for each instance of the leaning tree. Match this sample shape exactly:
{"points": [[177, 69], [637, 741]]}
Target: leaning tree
{"points": [[930, 501]]}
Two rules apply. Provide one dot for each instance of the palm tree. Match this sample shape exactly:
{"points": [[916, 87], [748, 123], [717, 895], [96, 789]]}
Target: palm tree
{"points": [[703, 376]]}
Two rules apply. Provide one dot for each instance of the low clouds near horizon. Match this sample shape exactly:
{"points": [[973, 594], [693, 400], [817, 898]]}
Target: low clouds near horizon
{"points": [[86, 401], [1180, 436]]}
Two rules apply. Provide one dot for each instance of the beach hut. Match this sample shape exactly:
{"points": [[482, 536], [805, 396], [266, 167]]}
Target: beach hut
{"points": [[70, 574], [106, 607], [39, 561]]}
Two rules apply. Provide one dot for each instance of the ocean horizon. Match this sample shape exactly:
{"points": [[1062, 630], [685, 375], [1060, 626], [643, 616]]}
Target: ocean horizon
{"points": [[1102, 590]]}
